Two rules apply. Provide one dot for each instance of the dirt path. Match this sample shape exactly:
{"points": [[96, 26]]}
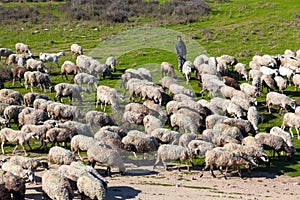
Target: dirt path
{"points": [[144, 183]]}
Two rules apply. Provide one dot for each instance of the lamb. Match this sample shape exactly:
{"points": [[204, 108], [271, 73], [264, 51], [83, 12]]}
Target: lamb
{"points": [[60, 156], [35, 65], [55, 186], [58, 135], [23, 48], [150, 123], [183, 121], [69, 68], [76, 49], [12, 184], [241, 70], [5, 52], [81, 143], [166, 136], [84, 78], [187, 69], [167, 69], [109, 157], [281, 100], [31, 116], [222, 157], [253, 117], [281, 83], [19, 137], [37, 78], [69, 90], [250, 90], [172, 152], [292, 120], [285, 136], [30, 97], [111, 63], [97, 119], [167, 81], [296, 81], [274, 142], [51, 57], [200, 147], [17, 170], [139, 142]]}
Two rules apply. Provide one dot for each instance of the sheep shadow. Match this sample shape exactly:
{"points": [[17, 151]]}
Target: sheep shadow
{"points": [[121, 193]]}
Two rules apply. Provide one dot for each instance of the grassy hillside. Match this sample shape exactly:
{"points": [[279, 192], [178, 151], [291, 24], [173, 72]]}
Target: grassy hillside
{"points": [[241, 28]]}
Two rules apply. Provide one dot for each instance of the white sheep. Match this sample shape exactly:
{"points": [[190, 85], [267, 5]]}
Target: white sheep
{"points": [[167, 69], [76, 49], [150, 123], [277, 99], [253, 116], [169, 152], [186, 138], [36, 65], [60, 156], [281, 83], [250, 90], [185, 122], [69, 68], [89, 186], [268, 71], [31, 116], [109, 157], [167, 81], [275, 130], [23, 48], [51, 57], [187, 69], [98, 119], [84, 78], [19, 137], [37, 78], [240, 68], [287, 73], [178, 89], [111, 62], [81, 143], [200, 147], [18, 170], [30, 97], [107, 95], [291, 120], [166, 136], [296, 81]]}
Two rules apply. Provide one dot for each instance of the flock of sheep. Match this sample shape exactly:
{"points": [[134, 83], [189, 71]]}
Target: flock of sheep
{"points": [[223, 129]]}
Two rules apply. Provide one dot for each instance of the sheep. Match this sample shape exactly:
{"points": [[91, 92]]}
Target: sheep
{"points": [[296, 81], [137, 108], [154, 93], [167, 69], [8, 94], [293, 121], [200, 147], [154, 109], [12, 186], [89, 186], [111, 62], [69, 68], [245, 126], [2, 107], [5, 52], [76, 49], [274, 142], [84, 78], [252, 142], [255, 73], [55, 186], [109, 157], [145, 73], [58, 135], [77, 128], [281, 83], [113, 130], [228, 130], [185, 139], [242, 102], [287, 73], [81, 143], [166, 136], [107, 95], [178, 89], [150, 123], [30, 97], [222, 157], [139, 142], [97, 119], [64, 112], [230, 82], [69, 90], [212, 84], [281, 100], [23, 48], [35, 65], [31, 116], [41, 104], [275, 130], [37, 78], [12, 112], [183, 121], [167, 81], [268, 82], [17, 170], [187, 69], [241, 70], [230, 60], [19, 59], [268, 71], [250, 90], [51, 57], [253, 65], [222, 66], [19, 137], [60, 156], [253, 117], [181, 97], [130, 74], [172, 152]]}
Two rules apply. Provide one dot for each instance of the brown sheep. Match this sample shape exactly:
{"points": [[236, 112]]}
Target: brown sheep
{"points": [[69, 68], [230, 82], [18, 72]]}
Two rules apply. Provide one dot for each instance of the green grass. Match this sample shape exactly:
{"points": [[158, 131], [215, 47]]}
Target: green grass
{"points": [[240, 28]]}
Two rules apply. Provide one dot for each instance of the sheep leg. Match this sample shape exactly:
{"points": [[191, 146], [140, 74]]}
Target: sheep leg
{"points": [[2, 147], [134, 154], [225, 175], [212, 171], [291, 131], [29, 145], [297, 133], [157, 161]]}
